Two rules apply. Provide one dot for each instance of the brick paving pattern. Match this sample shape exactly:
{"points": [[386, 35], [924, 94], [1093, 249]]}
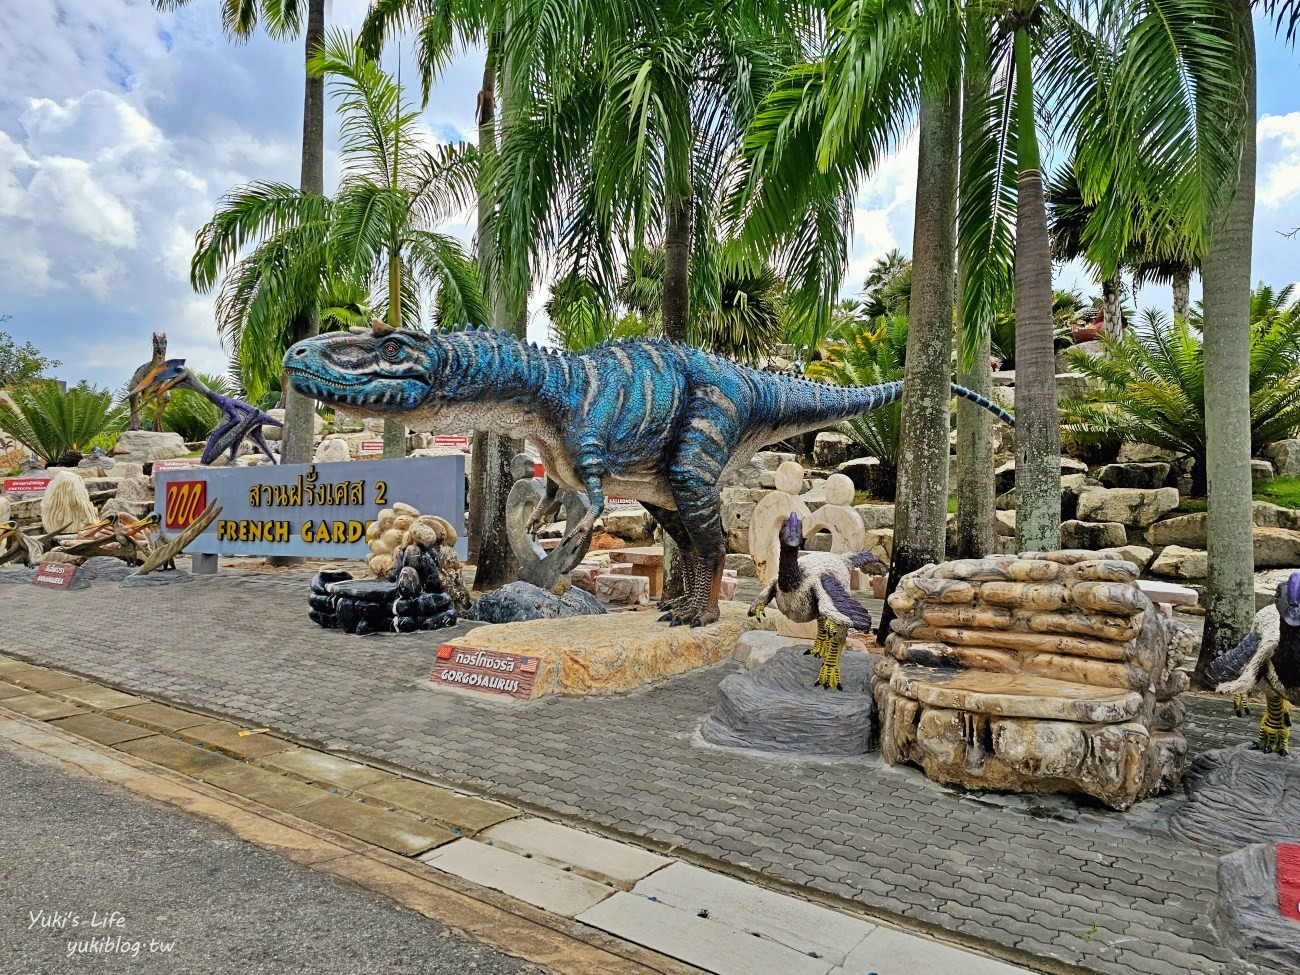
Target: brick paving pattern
{"points": [[1089, 888]]}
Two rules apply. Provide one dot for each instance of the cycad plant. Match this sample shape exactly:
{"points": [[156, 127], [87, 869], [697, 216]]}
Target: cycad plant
{"points": [[874, 355], [1151, 383], [56, 425]]}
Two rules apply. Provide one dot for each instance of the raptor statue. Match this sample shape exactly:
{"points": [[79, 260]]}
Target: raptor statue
{"points": [[649, 420], [816, 587], [1270, 655], [238, 419]]}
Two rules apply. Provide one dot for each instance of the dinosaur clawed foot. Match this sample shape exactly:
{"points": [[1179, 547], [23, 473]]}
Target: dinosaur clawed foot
{"points": [[829, 677], [1241, 705]]}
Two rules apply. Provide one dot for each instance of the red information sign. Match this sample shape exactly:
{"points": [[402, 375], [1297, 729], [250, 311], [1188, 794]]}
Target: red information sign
{"points": [[54, 575], [1288, 880], [185, 502], [371, 447], [26, 485], [449, 440], [489, 671]]}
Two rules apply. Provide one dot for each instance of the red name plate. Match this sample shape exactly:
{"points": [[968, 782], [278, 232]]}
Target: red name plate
{"points": [[371, 447], [1288, 880], [448, 440], [175, 464], [54, 575], [26, 485], [488, 671]]}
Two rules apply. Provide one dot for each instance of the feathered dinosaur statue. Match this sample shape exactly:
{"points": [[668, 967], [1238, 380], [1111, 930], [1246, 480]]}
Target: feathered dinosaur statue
{"points": [[648, 420], [136, 399], [815, 586], [1270, 655], [239, 419], [16, 545]]}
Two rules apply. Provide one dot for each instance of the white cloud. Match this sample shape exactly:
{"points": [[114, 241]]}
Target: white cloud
{"points": [[1279, 160]]}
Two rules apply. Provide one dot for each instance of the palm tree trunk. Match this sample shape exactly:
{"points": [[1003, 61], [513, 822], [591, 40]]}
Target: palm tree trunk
{"points": [[487, 111], [1112, 312], [299, 411], [1225, 274], [394, 430], [677, 268], [1182, 292], [494, 562], [1038, 422], [976, 496], [921, 501]]}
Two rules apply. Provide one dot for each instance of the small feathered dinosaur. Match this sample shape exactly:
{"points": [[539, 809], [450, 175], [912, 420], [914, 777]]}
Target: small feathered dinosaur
{"points": [[815, 586], [1270, 655]]}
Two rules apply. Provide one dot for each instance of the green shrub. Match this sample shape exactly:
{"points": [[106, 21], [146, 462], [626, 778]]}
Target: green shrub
{"points": [[56, 425]]}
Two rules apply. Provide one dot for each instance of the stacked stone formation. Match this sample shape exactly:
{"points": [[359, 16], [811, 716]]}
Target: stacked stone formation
{"points": [[412, 598], [1043, 672], [395, 529]]}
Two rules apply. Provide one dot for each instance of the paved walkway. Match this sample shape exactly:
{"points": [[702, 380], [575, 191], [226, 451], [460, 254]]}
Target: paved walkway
{"points": [[1071, 886]]}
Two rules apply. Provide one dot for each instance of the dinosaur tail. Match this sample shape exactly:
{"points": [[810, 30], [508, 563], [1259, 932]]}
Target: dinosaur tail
{"points": [[1237, 671], [983, 401]]}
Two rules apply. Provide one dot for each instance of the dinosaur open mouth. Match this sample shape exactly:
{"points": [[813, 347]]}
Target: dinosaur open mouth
{"points": [[317, 378]]}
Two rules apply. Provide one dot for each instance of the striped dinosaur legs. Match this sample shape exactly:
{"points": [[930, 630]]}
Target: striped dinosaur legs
{"points": [[837, 636], [1275, 726]]}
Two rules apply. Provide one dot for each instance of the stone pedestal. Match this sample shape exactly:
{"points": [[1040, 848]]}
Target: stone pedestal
{"points": [[598, 655], [1248, 910]]}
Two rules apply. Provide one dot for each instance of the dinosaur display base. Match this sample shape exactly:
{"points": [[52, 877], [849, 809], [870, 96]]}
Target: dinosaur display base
{"points": [[1238, 796], [776, 708], [597, 655], [1248, 911]]}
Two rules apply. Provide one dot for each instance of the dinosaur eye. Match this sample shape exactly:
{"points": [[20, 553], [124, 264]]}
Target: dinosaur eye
{"points": [[391, 351]]}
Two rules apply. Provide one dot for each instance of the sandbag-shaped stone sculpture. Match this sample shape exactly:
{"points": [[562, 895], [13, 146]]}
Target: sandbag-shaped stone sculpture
{"points": [[1042, 672], [401, 526], [412, 598]]}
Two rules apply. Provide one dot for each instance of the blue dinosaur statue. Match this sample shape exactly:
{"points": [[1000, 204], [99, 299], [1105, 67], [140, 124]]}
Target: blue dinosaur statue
{"points": [[648, 420]]}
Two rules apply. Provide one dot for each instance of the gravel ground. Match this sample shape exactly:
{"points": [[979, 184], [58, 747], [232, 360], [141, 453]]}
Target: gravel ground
{"points": [[78, 847]]}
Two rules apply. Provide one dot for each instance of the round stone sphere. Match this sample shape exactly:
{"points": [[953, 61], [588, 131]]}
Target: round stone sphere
{"points": [[789, 478], [522, 466], [838, 489]]}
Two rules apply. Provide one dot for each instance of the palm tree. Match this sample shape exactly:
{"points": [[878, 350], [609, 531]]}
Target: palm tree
{"points": [[284, 19], [316, 255]]}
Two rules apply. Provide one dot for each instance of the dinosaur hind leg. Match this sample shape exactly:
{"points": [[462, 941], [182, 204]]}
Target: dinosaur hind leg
{"points": [[1275, 727], [1241, 705], [670, 521], [837, 638]]}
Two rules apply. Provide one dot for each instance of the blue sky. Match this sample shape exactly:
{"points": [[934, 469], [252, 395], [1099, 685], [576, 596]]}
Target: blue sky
{"points": [[120, 127]]}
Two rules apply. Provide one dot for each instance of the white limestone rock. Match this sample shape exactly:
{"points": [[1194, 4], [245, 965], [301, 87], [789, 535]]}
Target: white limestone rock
{"points": [[66, 505], [1131, 507], [1176, 562], [831, 449], [142, 446], [1285, 455], [332, 450]]}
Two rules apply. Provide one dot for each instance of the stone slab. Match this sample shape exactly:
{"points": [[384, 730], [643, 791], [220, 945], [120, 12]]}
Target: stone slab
{"points": [[466, 813], [1016, 695], [595, 857], [800, 926], [12, 690], [105, 730], [161, 718], [47, 680], [42, 708], [97, 696], [12, 670], [260, 785], [175, 755], [701, 941], [530, 881], [892, 952], [391, 830], [313, 766], [224, 736], [587, 655]]}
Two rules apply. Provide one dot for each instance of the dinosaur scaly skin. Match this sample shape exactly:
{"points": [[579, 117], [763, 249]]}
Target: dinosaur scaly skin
{"points": [[648, 420]]}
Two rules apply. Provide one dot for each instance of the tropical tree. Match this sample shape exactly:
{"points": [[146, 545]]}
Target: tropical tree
{"points": [[373, 246], [55, 424], [1150, 384], [20, 364], [285, 19]]}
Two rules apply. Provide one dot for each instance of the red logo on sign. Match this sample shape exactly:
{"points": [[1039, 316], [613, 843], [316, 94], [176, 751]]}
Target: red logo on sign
{"points": [[26, 485], [185, 502], [1288, 880], [445, 651], [54, 575]]}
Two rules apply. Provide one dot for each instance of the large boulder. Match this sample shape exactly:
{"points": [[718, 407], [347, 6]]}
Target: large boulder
{"points": [[1134, 475], [1004, 478], [876, 515], [831, 449], [1144, 453], [66, 505], [1176, 562], [1277, 548], [1186, 530], [1285, 455], [632, 523], [142, 446], [275, 433], [1260, 471], [736, 516], [136, 487], [1092, 535], [1266, 515], [1131, 507], [331, 451], [518, 602], [870, 475], [760, 472]]}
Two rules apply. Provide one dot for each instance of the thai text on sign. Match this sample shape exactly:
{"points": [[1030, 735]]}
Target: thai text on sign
{"points": [[54, 575], [26, 485], [489, 671]]}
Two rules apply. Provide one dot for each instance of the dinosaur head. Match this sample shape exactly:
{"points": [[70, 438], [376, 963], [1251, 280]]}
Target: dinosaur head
{"points": [[160, 344], [8, 530], [1288, 600], [792, 531], [382, 370], [162, 377]]}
